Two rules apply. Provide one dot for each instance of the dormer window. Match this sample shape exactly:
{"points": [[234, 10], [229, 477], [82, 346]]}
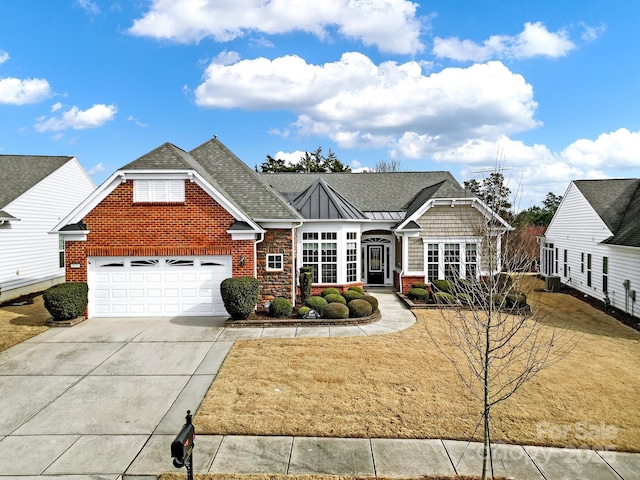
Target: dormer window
{"points": [[158, 191]]}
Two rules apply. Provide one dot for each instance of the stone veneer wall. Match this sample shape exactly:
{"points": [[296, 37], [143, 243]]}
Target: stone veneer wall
{"points": [[275, 284]]}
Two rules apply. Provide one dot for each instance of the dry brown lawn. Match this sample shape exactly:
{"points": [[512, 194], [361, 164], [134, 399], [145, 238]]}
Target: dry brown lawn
{"points": [[20, 323], [400, 386]]}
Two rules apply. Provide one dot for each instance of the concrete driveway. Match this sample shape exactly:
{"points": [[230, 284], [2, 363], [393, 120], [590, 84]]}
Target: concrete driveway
{"points": [[105, 397]]}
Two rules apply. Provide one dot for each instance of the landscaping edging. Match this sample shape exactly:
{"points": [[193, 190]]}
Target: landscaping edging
{"points": [[270, 322], [65, 323]]}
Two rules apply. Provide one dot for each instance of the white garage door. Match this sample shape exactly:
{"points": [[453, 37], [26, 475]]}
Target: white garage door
{"points": [[157, 286]]}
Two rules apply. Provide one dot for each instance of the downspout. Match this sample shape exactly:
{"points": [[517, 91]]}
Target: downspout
{"points": [[255, 255], [294, 259]]}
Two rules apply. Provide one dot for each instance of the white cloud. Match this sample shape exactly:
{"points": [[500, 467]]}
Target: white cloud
{"points": [[534, 41], [133, 119], [617, 150], [357, 103], [592, 33], [289, 157], [4, 56], [77, 119], [97, 168], [15, 91], [390, 25], [56, 106], [88, 6]]}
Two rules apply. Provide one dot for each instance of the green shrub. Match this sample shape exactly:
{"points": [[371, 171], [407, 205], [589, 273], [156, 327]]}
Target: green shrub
{"points": [[335, 310], [316, 303], [516, 299], [302, 311], [421, 285], [240, 296], [66, 301], [330, 291], [356, 289], [503, 282], [280, 307], [418, 294], [351, 295], [443, 286], [465, 298], [444, 297], [335, 298], [372, 300], [497, 299], [359, 308]]}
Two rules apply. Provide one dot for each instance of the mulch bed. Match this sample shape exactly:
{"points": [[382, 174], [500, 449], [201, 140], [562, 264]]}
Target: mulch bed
{"points": [[626, 318], [262, 319]]}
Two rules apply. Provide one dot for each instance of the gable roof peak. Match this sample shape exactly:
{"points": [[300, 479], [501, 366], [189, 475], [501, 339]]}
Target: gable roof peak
{"points": [[321, 201]]}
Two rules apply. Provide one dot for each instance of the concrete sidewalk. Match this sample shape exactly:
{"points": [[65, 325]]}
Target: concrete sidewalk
{"points": [[105, 398]]}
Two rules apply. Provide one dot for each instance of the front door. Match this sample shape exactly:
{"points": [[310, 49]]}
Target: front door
{"points": [[375, 266]]}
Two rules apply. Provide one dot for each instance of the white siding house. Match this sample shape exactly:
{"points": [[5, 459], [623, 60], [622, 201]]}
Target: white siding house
{"points": [[593, 241], [36, 192]]}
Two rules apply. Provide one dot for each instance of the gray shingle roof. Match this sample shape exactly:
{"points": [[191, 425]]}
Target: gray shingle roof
{"points": [[617, 203], [19, 173], [226, 173], [371, 192]]}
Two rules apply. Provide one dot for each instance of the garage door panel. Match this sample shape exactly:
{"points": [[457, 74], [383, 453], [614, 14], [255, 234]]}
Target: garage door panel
{"points": [[157, 286]]}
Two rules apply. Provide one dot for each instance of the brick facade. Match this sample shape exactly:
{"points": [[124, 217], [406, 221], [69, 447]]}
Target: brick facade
{"points": [[403, 284], [120, 227]]}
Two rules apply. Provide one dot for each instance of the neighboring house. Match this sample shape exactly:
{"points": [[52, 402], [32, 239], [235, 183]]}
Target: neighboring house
{"points": [[593, 241], [160, 235], [36, 192]]}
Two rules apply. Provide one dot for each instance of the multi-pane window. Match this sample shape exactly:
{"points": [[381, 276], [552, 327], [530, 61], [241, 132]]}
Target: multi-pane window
{"points": [[605, 274], [556, 262], [451, 261], [352, 257], [329, 258], [588, 269], [547, 258], [274, 261], [320, 251], [471, 260], [582, 262], [310, 252], [432, 261], [61, 251], [565, 266]]}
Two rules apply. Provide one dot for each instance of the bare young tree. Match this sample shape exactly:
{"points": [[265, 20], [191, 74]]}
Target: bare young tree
{"points": [[500, 338], [391, 165]]}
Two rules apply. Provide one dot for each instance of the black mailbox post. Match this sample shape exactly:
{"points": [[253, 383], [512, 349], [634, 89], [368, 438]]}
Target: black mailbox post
{"points": [[182, 447]]}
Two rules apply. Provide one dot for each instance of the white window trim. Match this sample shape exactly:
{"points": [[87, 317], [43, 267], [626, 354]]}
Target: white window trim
{"points": [[341, 240], [280, 260], [158, 191], [461, 242]]}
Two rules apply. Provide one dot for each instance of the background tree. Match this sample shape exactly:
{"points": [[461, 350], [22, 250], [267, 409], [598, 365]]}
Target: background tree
{"points": [[309, 162], [499, 335], [539, 216], [492, 191], [391, 165]]}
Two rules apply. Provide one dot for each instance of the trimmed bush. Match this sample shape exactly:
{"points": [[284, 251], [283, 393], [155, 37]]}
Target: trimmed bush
{"points": [[503, 282], [359, 308], [443, 286], [465, 298], [335, 298], [418, 294], [316, 302], [444, 297], [335, 310], [372, 300], [497, 299], [351, 295], [240, 296], [280, 307], [421, 285], [356, 289], [330, 291], [66, 301], [302, 311], [516, 299]]}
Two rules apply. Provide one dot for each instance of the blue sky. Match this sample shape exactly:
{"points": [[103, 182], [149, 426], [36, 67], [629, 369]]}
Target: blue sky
{"points": [[547, 90]]}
